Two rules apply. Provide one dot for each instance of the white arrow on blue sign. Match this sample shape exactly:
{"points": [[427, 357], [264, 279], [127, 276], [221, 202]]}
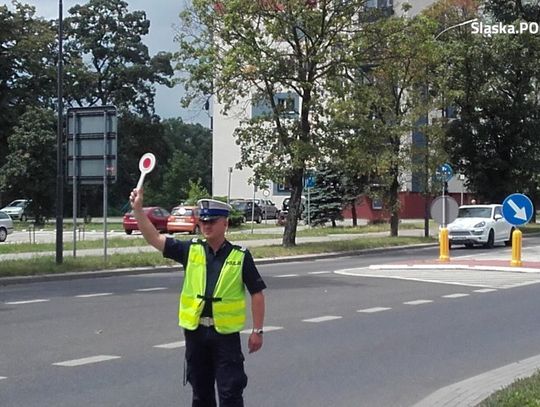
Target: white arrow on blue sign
{"points": [[445, 172], [517, 209]]}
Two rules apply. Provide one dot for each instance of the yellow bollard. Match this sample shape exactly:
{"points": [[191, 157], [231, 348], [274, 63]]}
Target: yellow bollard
{"points": [[516, 248], [444, 245]]}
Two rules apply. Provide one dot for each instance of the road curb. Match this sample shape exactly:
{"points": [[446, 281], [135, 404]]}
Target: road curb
{"points": [[176, 268]]}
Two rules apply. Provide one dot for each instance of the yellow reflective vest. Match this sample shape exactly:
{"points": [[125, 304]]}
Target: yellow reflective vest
{"points": [[228, 299]]}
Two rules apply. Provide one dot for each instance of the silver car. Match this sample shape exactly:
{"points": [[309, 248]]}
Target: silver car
{"points": [[17, 209], [6, 226]]}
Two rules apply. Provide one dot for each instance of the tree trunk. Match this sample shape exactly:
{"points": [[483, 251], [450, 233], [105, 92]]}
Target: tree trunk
{"points": [[394, 207], [289, 235], [353, 213]]}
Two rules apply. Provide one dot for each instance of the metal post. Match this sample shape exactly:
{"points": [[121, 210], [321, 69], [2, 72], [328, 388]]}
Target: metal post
{"points": [[105, 190], [59, 163], [75, 158], [443, 205], [309, 206], [253, 207]]}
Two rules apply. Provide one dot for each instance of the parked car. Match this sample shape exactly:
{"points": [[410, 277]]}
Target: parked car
{"points": [[18, 209], [246, 208], [6, 226], [480, 224], [269, 210], [158, 216], [285, 206], [184, 219]]}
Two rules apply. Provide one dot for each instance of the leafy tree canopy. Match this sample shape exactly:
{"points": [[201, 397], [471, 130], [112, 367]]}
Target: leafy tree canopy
{"points": [[108, 62]]}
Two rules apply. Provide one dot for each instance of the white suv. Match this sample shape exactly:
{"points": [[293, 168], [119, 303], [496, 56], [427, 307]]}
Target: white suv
{"points": [[480, 224]]}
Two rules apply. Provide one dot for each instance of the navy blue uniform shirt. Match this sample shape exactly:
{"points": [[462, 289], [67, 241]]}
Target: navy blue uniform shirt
{"points": [[179, 250]]}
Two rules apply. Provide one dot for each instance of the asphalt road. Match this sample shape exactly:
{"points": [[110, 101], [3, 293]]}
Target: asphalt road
{"points": [[332, 339]]}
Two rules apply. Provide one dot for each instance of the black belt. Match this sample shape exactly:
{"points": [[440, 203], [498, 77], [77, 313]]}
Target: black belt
{"points": [[211, 299]]}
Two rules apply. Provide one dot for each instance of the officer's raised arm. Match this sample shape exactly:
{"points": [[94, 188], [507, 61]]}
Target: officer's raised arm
{"points": [[148, 230]]}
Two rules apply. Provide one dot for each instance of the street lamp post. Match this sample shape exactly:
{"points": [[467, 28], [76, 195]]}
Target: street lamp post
{"points": [[229, 185], [426, 163], [59, 164]]}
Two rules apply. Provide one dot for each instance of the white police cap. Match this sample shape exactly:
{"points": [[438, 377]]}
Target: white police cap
{"points": [[211, 209]]}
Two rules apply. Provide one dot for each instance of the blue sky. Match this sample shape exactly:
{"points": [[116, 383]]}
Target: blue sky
{"points": [[163, 16]]}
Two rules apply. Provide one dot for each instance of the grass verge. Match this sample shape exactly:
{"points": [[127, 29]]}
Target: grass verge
{"points": [[47, 265], [137, 240], [521, 393]]}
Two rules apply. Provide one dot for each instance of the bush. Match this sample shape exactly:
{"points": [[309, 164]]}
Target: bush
{"points": [[235, 218]]}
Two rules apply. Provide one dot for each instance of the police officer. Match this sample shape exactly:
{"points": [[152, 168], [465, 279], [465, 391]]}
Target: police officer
{"points": [[212, 302]]}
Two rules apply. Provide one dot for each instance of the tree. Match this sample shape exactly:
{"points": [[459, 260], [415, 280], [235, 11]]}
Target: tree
{"points": [[108, 62], [494, 141], [32, 160], [196, 191], [27, 66], [381, 104], [247, 53], [326, 198]]}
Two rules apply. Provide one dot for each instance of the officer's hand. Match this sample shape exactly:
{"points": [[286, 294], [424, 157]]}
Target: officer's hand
{"points": [[136, 199], [255, 342]]}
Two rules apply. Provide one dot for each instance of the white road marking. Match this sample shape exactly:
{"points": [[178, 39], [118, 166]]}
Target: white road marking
{"points": [[3, 377], [456, 295], [485, 290], [172, 345], [319, 272], [322, 319], [372, 310], [25, 302], [93, 295], [265, 329], [86, 361], [151, 289], [471, 277], [417, 302], [287, 275]]}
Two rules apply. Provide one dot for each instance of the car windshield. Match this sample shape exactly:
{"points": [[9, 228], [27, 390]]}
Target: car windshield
{"points": [[240, 205], [474, 213], [182, 212], [17, 204]]}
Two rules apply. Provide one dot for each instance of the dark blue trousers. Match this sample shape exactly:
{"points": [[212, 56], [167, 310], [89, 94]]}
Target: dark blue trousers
{"points": [[213, 358]]}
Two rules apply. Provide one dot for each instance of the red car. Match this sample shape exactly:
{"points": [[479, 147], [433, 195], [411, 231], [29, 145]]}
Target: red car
{"points": [[158, 216], [184, 219]]}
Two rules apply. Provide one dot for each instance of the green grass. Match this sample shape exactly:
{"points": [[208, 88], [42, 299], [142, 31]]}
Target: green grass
{"points": [[521, 393], [46, 265], [335, 246], [135, 241], [68, 245]]}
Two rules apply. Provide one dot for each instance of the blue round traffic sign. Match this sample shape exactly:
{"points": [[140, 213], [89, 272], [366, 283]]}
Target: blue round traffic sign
{"points": [[517, 209], [445, 172]]}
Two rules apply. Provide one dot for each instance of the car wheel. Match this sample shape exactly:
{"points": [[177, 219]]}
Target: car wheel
{"points": [[129, 232], [508, 242], [3, 234], [258, 219], [24, 218], [244, 219], [491, 239]]}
